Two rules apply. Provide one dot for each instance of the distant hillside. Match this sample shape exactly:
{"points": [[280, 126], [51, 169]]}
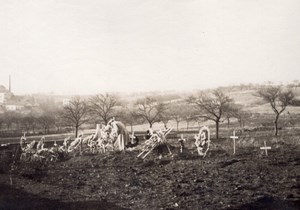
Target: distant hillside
{"points": [[242, 94]]}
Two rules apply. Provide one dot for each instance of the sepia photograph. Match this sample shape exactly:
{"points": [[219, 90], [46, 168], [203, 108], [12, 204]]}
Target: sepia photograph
{"points": [[149, 105]]}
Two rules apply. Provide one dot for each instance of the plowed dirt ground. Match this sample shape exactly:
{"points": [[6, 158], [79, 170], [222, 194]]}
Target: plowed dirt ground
{"points": [[247, 180]]}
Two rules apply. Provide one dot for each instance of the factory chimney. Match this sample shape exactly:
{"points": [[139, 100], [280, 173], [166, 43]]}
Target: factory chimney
{"points": [[9, 86]]}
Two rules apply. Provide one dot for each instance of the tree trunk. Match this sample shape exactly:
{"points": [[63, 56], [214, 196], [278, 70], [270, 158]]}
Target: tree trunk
{"points": [[177, 124], [217, 129], [240, 121], [150, 125], [228, 122], [131, 127], [187, 124], [105, 121], [18, 125], [276, 125], [76, 131], [165, 125]]}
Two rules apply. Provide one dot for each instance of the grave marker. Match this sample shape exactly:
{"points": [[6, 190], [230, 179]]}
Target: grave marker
{"points": [[234, 138], [265, 148]]}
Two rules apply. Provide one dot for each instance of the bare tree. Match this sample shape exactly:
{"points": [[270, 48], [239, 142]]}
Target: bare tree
{"points": [[165, 117], [103, 106], [188, 114], [150, 110], [9, 119], [129, 116], [232, 112], [177, 119], [212, 107], [75, 113], [59, 121], [241, 116], [33, 122], [1, 121], [26, 122], [46, 121], [278, 100], [30, 120], [177, 113]]}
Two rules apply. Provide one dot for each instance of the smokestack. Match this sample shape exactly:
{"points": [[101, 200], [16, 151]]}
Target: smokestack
{"points": [[9, 87]]}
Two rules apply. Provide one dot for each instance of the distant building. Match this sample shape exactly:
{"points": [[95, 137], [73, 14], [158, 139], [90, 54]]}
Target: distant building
{"points": [[9, 102], [5, 95], [2, 98], [66, 102], [13, 107]]}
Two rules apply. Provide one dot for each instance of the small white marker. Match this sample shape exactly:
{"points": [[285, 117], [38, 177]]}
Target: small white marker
{"points": [[234, 138], [265, 148]]}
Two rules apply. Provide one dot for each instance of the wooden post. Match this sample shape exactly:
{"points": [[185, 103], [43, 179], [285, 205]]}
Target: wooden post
{"points": [[234, 138], [181, 142], [132, 137]]}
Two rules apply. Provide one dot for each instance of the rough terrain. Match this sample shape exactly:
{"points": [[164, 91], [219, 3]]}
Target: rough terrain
{"points": [[247, 180]]}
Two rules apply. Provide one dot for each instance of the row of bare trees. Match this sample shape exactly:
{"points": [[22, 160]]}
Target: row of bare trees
{"points": [[214, 106], [150, 110], [26, 122], [218, 105], [102, 108]]}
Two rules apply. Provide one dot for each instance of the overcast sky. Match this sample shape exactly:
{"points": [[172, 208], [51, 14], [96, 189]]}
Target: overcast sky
{"points": [[90, 46]]}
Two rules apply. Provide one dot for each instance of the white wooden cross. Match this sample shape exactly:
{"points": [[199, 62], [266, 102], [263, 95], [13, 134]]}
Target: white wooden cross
{"points": [[234, 138], [265, 148]]}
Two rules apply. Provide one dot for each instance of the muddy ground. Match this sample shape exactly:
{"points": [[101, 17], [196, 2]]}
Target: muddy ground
{"points": [[247, 180]]}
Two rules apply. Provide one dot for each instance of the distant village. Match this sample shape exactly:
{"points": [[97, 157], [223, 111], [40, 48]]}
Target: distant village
{"points": [[25, 103], [10, 102], [33, 114]]}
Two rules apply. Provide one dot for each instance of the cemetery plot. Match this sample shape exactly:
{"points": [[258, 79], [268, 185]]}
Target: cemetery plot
{"points": [[218, 181], [111, 168]]}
